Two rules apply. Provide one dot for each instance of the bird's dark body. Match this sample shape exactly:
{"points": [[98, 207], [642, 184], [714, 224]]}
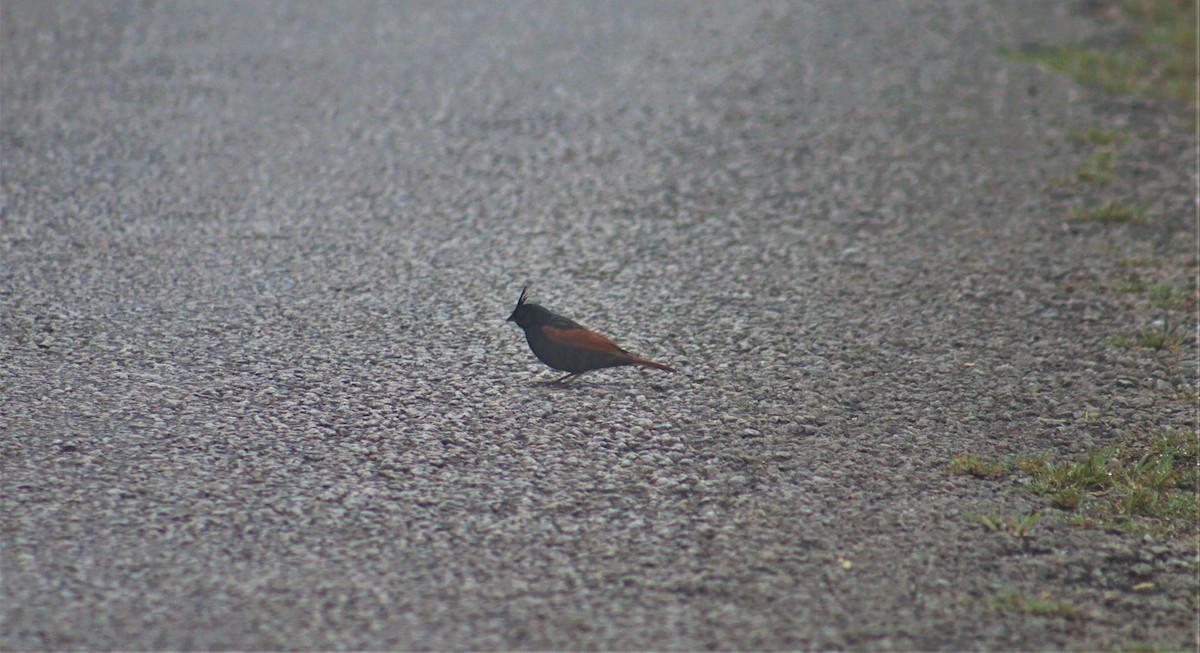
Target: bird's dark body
{"points": [[564, 345], [565, 356]]}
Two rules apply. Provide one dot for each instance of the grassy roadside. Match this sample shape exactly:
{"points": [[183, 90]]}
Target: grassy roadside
{"points": [[1144, 484], [1151, 53], [1147, 486], [1154, 55]]}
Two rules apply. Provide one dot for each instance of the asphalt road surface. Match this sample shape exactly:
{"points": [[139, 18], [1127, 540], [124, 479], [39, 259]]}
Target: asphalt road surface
{"points": [[258, 391]]}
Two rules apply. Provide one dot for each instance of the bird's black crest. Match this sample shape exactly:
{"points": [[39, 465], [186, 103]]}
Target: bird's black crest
{"points": [[521, 299]]}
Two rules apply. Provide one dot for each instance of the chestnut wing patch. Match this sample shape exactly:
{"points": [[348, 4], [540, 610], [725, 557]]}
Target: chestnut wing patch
{"points": [[583, 339]]}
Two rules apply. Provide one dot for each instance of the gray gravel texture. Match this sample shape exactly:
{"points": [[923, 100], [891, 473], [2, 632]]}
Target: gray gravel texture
{"points": [[258, 392]]}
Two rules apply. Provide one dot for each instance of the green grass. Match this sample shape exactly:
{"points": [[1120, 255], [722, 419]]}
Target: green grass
{"points": [[1109, 212], [1160, 338], [1016, 527], [1015, 603], [1131, 285], [1141, 647], [1118, 72], [973, 465], [1156, 60], [1066, 484], [1119, 341], [1157, 338], [1100, 136], [1165, 31], [1169, 297], [1146, 486], [1099, 168], [1166, 333]]}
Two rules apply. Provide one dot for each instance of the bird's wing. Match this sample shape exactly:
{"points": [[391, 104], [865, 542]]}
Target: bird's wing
{"points": [[583, 339], [559, 322]]}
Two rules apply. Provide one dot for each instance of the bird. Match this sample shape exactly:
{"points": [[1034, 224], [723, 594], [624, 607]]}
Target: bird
{"points": [[566, 346]]}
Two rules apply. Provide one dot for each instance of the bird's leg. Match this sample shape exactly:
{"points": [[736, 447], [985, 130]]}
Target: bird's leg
{"points": [[565, 378]]}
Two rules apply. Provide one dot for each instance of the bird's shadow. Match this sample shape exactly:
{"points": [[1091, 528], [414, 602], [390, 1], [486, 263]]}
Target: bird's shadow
{"points": [[581, 385], [578, 383]]}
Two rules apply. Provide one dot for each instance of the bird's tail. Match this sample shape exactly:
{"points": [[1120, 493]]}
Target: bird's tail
{"points": [[646, 363]]}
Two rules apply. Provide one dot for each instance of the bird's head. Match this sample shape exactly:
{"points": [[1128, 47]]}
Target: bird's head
{"points": [[527, 315]]}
